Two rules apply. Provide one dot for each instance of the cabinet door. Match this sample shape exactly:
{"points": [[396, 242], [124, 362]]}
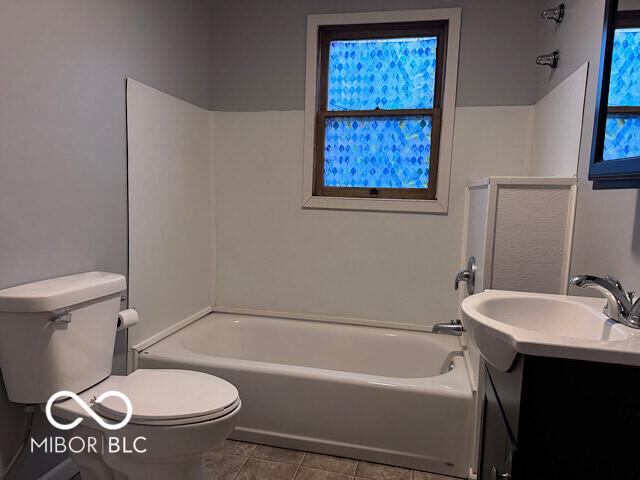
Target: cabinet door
{"points": [[498, 448]]}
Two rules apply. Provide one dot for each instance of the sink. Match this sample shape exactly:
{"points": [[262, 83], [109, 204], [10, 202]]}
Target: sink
{"points": [[503, 324], [553, 316]]}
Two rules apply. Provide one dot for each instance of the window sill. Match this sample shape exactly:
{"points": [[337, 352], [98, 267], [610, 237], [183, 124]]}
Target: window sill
{"points": [[375, 204]]}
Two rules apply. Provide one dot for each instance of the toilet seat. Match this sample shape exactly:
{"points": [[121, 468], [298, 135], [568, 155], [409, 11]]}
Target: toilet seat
{"points": [[162, 397], [168, 397]]}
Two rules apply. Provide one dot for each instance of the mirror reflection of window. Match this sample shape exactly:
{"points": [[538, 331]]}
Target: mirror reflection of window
{"points": [[622, 136]]}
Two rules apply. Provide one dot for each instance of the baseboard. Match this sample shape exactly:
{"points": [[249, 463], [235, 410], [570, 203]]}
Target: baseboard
{"points": [[65, 470]]}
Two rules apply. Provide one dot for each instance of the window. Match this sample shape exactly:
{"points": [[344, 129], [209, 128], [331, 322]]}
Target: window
{"points": [[622, 130], [379, 110]]}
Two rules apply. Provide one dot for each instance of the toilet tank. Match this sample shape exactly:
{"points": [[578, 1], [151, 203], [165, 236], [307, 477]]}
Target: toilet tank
{"points": [[58, 334]]}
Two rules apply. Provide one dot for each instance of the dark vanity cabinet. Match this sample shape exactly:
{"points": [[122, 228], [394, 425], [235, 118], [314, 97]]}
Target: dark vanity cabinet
{"points": [[550, 418]]}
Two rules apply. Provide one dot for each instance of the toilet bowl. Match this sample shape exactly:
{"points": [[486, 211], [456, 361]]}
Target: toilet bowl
{"points": [[177, 416]]}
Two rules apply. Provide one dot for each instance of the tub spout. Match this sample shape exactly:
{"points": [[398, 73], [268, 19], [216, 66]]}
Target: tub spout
{"points": [[454, 327]]}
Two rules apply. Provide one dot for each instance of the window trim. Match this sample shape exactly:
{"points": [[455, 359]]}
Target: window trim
{"points": [[440, 170], [329, 33]]}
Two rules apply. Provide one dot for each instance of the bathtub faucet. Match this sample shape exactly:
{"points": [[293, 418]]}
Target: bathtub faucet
{"points": [[454, 327]]}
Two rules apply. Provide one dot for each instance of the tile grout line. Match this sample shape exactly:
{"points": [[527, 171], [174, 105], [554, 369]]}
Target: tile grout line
{"points": [[246, 459], [295, 474]]}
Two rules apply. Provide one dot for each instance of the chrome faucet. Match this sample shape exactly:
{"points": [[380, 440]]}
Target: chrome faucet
{"points": [[454, 327], [622, 306], [467, 275]]}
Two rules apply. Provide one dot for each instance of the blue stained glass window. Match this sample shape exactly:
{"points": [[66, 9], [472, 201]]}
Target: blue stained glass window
{"points": [[624, 86], [622, 130], [377, 152], [622, 137], [395, 73]]}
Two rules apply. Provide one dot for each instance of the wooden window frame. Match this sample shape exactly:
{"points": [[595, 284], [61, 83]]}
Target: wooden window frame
{"points": [[329, 33]]}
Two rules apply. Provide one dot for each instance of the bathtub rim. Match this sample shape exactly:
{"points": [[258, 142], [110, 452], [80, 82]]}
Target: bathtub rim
{"points": [[312, 317], [453, 383]]}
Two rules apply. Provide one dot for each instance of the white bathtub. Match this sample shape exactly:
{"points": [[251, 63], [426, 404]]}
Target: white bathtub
{"points": [[389, 396]]}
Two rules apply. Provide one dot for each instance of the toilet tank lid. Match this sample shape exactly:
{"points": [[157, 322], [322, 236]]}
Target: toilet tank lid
{"points": [[61, 292]]}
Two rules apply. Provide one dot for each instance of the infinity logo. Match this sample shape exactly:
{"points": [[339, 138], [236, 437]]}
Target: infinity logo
{"points": [[87, 408]]}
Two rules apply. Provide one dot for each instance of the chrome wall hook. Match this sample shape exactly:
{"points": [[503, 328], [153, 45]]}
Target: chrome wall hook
{"points": [[556, 14], [550, 59]]}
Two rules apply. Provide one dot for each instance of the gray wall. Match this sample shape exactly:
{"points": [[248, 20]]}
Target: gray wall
{"points": [[607, 229], [63, 181], [259, 50], [577, 38]]}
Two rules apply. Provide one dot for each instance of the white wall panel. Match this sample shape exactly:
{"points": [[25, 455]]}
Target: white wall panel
{"points": [[557, 127], [394, 267], [170, 196]]}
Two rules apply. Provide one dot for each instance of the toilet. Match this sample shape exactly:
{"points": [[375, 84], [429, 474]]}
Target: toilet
{"points": [[58, 336]]}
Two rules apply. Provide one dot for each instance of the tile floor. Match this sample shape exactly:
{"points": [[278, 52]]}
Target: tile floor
{"points": [[233, 460]]}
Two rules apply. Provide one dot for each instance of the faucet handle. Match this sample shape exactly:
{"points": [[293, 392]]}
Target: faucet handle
{"points": [[467, 275], [462, 276], [630, 296]]}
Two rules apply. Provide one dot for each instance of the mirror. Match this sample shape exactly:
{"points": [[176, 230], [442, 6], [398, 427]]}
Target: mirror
{"points": [[615, 159]]}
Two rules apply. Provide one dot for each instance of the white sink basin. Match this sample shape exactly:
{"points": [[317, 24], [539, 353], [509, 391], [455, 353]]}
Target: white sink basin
{"points": [[503, 324]]}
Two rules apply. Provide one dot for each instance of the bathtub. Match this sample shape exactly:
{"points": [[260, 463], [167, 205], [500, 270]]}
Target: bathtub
{"points": [[389, 396]]}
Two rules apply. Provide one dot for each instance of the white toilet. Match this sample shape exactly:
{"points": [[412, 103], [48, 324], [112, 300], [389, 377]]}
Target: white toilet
{"points": [[59, 334]]}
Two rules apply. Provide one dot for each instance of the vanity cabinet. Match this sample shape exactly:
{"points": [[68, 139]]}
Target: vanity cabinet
{"points": [[499, 447], [550, 418]]}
